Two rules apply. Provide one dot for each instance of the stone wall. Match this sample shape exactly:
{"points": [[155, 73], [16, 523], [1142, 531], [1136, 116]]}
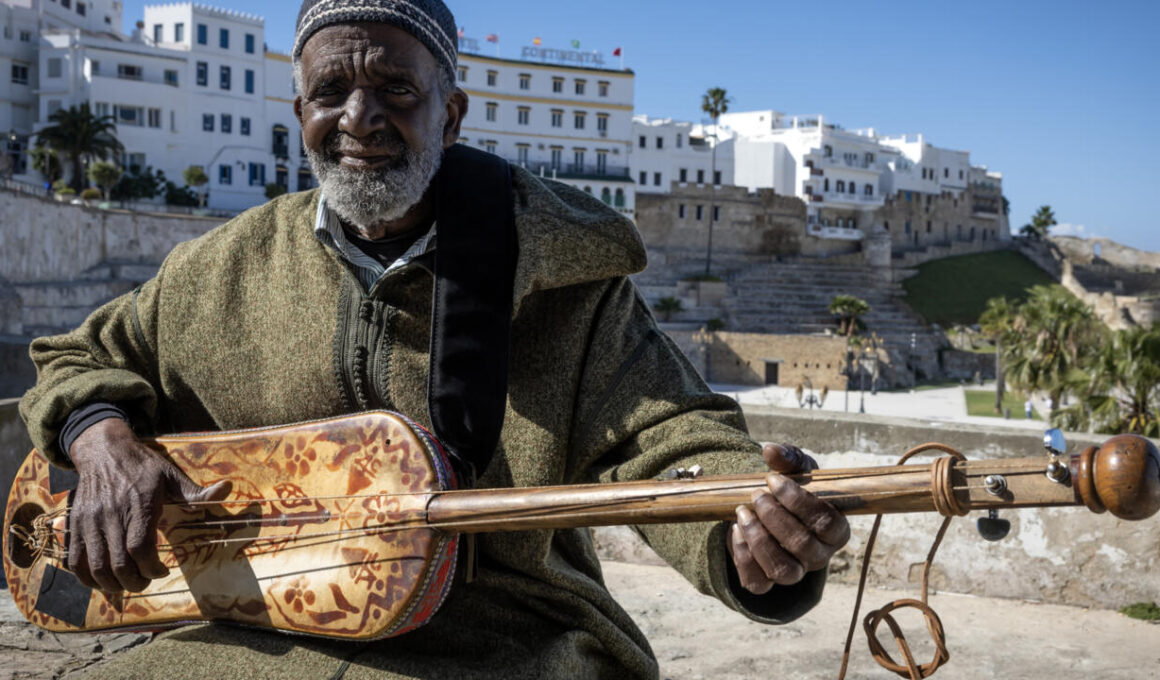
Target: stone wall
{"points": [[740, 358], [961, 365], [45, 240], [937, 219]]}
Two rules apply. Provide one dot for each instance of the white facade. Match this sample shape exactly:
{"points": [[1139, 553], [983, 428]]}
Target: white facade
{"points": [[665, 151], [565, 122]]}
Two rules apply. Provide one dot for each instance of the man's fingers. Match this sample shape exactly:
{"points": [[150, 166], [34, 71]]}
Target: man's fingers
{"points": [[752, 577], [818, 516], [787, 459], [184, 490], [790, 534], [141, 539], [100, 567], [778, 565], [124, 571]]}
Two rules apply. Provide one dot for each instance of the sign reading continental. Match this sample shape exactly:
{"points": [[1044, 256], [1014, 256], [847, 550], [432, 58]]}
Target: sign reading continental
{"points": [[563, 56]]}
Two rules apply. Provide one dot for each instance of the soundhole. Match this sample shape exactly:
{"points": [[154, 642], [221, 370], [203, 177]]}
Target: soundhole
{"points": [[21, 541]]}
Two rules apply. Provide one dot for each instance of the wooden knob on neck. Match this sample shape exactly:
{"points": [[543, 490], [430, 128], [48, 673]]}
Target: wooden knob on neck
{"points": [[1122, 477]]}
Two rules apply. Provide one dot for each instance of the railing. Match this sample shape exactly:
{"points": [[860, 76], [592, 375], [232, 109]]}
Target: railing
{"points": [[572, 169], [828, 232]]}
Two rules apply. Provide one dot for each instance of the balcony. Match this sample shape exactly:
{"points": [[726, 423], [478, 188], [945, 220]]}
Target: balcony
{"points": [[593, 171], [855, 199], [836, 233]]}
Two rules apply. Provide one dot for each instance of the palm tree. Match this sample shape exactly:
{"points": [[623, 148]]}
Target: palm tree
{"points": [[996, 323], [715, 102], [1041, 223], [195, 177], [1122, 386], [1052, 333], [105, 175], [849, 308], [79, 136]]}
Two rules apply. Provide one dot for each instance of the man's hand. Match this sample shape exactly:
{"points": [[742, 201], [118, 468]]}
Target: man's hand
{"points": [[113, 519], [787, 531]]}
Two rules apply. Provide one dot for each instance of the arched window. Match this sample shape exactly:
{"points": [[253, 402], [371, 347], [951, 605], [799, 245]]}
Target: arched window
{"points": [[869, 189], [619, 202], [841, 186], [606, 195], [587, 190]]}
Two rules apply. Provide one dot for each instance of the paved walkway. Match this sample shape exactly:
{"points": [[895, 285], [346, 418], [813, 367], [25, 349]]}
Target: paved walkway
{"points": [[936, 405]]}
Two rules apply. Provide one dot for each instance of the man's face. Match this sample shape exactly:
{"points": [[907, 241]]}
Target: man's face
{"points": [[375, 120]]}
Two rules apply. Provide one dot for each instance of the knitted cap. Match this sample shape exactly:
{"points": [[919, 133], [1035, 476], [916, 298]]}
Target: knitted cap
{"points": [[429, 21]]}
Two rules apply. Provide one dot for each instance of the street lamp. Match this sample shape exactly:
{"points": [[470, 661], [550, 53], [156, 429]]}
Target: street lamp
{"points": [[811, 400]]}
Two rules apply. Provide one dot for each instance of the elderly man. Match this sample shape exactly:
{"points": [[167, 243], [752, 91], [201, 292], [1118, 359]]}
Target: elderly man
{"points": [[352, 298]]}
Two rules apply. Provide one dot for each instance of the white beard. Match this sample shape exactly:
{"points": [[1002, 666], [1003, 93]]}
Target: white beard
{"points": [[366, 198]]}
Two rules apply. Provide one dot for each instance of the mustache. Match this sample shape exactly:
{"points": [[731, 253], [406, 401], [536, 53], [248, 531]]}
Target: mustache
{"points": [[339, 143]]}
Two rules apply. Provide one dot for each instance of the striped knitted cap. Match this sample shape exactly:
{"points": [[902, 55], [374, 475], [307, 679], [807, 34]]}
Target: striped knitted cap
{"points": [[428, 20]]}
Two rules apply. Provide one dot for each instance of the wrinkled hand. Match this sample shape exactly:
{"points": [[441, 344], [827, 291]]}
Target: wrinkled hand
{"points": [[114, 514], [785, 532]]}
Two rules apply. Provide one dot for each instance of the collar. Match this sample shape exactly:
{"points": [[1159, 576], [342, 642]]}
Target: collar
{"points": [[328, 230]]}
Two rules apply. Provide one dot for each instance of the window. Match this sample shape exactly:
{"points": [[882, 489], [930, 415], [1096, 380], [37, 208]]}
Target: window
{"points": [[960, 174], [578, 159], [95, 67], [202, 73], [102, 108], [643, 143], [55, 67], [463, 74], [250, 43], [825, 185], [227, 123], [525, 81], [207, 122], [679, 142], [578, 120], [580, 86], [522, 115], [19, 74], [684, 175], [54, 105], [853, 188], [841, 186], [869, 158], [681, 211], [700, 177], [660, 142], [869, 190], [717, 178], [602, 88], [202, 34], [249, 81], [522, 154], [129, 115], [828, 151], [171, 77], [257, 174], [244, 127], [225, 78], [700, 212], [67, 4], [225, 174], [155, 118], [224, 38], [643, 178], [178, 32], [305, 179], [82, 8], [492, 76], [908, 227], [557, 118], [492, 109], [946, 172], [129, 72], [602, 122], [557, 157], [886, 226], [606, 195], [928, 226], [557, 85], [716, 213], [490, 146], [656, 179], [601, 162], [158, 33]]}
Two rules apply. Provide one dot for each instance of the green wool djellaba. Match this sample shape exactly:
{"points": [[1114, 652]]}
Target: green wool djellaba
{"points": [[257, 323]]}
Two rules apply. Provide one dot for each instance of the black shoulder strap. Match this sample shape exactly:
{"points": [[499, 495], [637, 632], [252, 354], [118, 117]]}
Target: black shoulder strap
{"points": [[475, 264]]}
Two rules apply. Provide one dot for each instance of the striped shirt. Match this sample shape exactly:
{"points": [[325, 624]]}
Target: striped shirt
{"points": [[328, 229]]}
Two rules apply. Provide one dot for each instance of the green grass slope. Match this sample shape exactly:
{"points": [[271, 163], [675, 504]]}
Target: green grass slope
{"points": [[956, 290]]}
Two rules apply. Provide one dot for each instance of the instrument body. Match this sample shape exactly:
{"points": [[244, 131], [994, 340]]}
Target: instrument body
{"points": [[288, 550], [348, 527]]}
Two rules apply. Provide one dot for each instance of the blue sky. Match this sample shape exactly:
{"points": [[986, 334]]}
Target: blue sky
{"points": [[1053, 94]]}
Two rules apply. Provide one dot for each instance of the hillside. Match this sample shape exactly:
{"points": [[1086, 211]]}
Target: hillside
{"points": [[956, 290]]}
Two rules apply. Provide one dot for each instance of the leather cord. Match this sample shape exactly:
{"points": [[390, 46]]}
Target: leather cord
{"points": [[949, 506]]}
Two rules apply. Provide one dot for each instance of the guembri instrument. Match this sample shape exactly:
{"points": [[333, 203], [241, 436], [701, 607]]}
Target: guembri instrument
{"points": [[349, 527]]}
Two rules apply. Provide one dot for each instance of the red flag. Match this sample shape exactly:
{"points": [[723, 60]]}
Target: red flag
{"points": [[492, 37], [616, 52]]}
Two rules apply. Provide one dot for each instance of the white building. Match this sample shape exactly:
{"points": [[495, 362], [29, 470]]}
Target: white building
{"points": [[557, 118], [667, 150]]}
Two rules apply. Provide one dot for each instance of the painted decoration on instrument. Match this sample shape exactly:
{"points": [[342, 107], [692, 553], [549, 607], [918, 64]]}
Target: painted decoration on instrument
{"points": [[324, 533]]}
